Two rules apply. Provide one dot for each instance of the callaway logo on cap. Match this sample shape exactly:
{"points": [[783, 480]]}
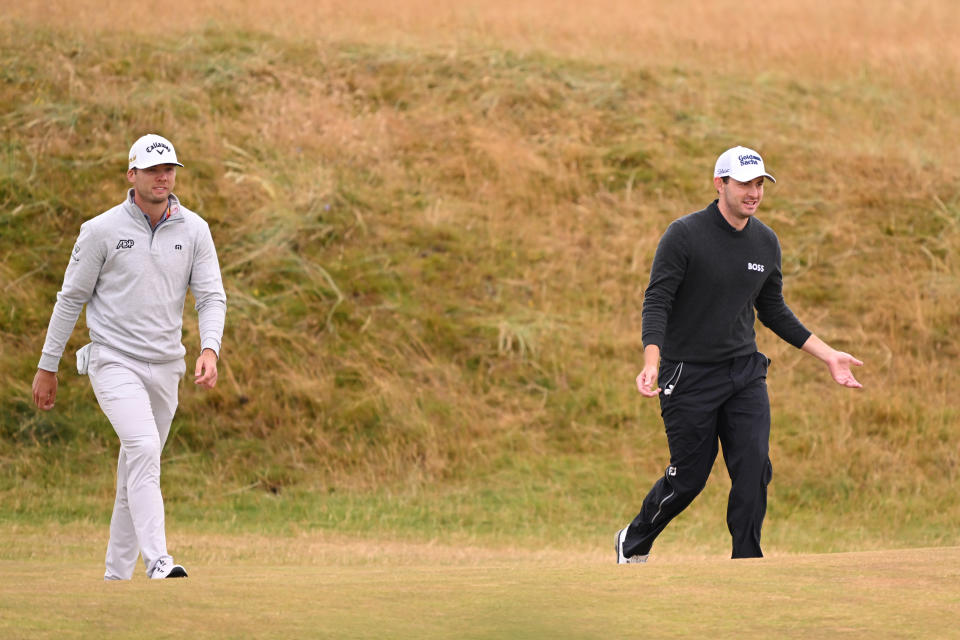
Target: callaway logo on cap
{"points": [[151, 150], [741, 164]]}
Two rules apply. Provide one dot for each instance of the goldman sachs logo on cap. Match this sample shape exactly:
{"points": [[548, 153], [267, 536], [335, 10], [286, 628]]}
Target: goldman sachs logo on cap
{"points": [[159, 147], [744, 160]]}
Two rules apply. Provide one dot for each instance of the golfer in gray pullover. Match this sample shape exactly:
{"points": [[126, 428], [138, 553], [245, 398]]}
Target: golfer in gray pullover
{"points": [[131, 266]]}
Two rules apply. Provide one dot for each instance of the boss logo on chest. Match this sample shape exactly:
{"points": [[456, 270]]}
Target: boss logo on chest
{"points": [[753, 266]]}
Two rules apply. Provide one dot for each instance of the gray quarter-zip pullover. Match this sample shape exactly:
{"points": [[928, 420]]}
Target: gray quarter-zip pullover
{"points": [[134, 281]]}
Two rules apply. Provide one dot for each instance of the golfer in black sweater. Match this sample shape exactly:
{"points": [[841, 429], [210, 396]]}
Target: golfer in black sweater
{"points": [[711, 270]]}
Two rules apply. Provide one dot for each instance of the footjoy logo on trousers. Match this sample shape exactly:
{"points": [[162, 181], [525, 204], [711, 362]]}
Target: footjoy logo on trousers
{"points": [[125, 244]]}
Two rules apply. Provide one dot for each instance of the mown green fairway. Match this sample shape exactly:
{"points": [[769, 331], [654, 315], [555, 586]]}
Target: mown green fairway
{"points": [[313, 587]]}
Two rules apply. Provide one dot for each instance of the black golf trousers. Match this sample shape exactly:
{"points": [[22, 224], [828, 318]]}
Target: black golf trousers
{"points": [[703, 405]]}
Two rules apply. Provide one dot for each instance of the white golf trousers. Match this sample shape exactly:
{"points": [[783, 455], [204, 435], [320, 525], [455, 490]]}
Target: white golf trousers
{"points": [[139, 399]]}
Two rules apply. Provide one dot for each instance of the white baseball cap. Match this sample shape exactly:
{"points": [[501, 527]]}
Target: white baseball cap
{"points": [[741, 164], [151, 150]]}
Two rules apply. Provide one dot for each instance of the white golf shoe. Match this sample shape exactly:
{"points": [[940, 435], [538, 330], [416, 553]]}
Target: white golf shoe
{"points": [[166, 569], [622, 559]]}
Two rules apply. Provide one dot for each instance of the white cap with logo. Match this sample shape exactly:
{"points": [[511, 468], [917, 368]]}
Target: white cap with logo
{"points": [[741, 164], [151, 150]]}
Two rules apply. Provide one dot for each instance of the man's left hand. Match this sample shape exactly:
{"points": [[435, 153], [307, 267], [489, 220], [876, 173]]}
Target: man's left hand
{"points": [[206, 371], [839, 365], [837, 361]]}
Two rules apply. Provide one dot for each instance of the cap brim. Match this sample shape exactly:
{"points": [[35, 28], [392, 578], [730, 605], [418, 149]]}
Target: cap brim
{"points": [[747, 177], [155, 164]]}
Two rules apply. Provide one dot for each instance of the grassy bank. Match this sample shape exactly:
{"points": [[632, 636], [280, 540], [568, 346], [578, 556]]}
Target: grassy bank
{"points": [[435, 248]]}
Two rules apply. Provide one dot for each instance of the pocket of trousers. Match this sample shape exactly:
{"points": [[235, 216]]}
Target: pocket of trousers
{"points": [[83, 358], [673, 380]]}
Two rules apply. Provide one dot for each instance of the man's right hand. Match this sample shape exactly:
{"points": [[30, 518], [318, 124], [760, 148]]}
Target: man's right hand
{"points": [[647, 382], [44, 389]]}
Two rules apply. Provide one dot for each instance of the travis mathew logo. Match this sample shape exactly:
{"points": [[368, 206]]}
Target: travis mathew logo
{"points": [[744, 160], [159, 147], [125, 244], [178, 247]]}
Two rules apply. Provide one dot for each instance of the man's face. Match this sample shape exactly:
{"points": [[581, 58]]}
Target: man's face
{"points": [[741, 199], [153, 184]]}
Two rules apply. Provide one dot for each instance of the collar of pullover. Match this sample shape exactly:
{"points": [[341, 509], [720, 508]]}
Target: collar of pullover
{"points": [[173, 209], [714, 210]]}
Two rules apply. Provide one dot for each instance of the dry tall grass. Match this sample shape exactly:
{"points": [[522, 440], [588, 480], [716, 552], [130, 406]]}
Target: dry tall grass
{"points": [[812, 38], [435, 222]]}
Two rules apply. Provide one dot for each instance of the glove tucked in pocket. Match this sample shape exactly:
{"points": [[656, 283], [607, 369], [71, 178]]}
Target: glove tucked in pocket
{"points": [[83, 358]]}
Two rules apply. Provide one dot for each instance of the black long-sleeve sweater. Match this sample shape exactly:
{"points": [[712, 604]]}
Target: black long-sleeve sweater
{"points": [[705, 282]]}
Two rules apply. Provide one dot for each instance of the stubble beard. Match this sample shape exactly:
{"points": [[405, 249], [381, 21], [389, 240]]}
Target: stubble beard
{"points": [[147, 196]]}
